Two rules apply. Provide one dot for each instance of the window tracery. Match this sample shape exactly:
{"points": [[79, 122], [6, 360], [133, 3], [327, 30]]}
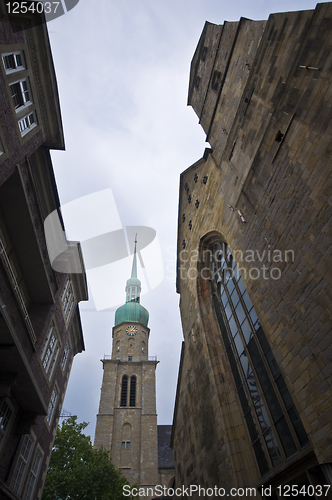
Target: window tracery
{"points": [[273, 423]]}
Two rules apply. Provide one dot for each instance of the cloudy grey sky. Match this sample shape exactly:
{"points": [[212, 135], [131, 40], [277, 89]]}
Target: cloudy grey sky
{"points": [[122, 68]]}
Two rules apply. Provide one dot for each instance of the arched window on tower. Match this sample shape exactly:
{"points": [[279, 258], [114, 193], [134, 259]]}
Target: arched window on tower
{"points": [[132, 397], [125, 445], [124, 390], [273, 423]]}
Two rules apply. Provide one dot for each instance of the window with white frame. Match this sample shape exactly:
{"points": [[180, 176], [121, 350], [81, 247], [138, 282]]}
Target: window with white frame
{"points": [[50, 351], [20, 93], [6, 414], [67, 300], [65, 355], [52, 405], [33, 475], [13, 61], [22, 463], [26, 123]]}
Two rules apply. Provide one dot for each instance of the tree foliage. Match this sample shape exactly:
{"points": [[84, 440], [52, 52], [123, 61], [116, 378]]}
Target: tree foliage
{"points": [[77, 471]]}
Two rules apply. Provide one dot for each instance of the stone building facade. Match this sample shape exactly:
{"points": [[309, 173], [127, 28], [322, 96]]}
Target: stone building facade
{"points": [[254, 396], [40, 327], [127, 419]]}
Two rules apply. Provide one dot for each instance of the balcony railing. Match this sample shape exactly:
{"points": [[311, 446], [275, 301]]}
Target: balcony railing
{"points": [[130, 358]]}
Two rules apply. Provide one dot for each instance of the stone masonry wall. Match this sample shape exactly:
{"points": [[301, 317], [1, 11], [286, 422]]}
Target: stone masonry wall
{"points": [[265, 187]]}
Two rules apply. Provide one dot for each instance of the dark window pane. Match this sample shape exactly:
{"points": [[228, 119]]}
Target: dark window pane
{"points": [[247, 300], [124, 391], [261, 458], [286, 397], [240, 313], [224, 297], [253, 315], [9, 61], [18, 60], [243, 400], [273, 365], [230, 285], [253, 389], [241, 286], [232, 325], [257, 325], [220, 319], [263, 376], [273, 449], [16, 95], [238, 344], [262, 339], [262, 415], [132, 395], [251, 424], [234, 297], [228, 310], [285, 437], [254, 352], [234, 368], [298, 427], [273, 404], [246, 330], [245, 364]]}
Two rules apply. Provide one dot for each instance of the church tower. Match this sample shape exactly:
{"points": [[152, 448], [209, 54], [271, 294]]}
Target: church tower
{"points": [[127, 419]]}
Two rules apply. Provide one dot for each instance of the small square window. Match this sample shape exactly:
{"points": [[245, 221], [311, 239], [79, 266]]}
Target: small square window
{"points": [[20, 93], [26, 123], [13, 62]]}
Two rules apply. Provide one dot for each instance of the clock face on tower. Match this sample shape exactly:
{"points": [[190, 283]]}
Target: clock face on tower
{"points": [[131, 330]]}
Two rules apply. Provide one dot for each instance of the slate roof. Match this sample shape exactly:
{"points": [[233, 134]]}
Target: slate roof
{"points": [[165, 453]]}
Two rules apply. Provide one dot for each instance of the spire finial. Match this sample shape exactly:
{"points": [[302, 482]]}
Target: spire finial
{"points": [[134, 268]]}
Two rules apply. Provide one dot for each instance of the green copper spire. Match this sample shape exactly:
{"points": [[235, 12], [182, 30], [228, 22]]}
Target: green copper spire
{"points": [[132, 310], [133, 287], [134, 268]]}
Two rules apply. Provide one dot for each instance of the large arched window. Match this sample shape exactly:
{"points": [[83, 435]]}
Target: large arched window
{"points": [[124, 390], [273, 423], [132, 391], [132, 395]]}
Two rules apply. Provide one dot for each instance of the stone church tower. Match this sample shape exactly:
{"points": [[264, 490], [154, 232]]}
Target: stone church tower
{"points": [[127, 419]]}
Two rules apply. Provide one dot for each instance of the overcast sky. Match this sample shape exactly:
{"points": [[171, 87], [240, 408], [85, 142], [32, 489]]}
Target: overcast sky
{"points": [[122, 69]]}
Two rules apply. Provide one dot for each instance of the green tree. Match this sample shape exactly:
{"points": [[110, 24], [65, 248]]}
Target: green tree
{"points": [[77, 471]]}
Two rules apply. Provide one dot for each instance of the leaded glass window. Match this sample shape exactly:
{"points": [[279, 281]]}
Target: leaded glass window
{"points": [[132, 398], [274, 426], [124, 391]]}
